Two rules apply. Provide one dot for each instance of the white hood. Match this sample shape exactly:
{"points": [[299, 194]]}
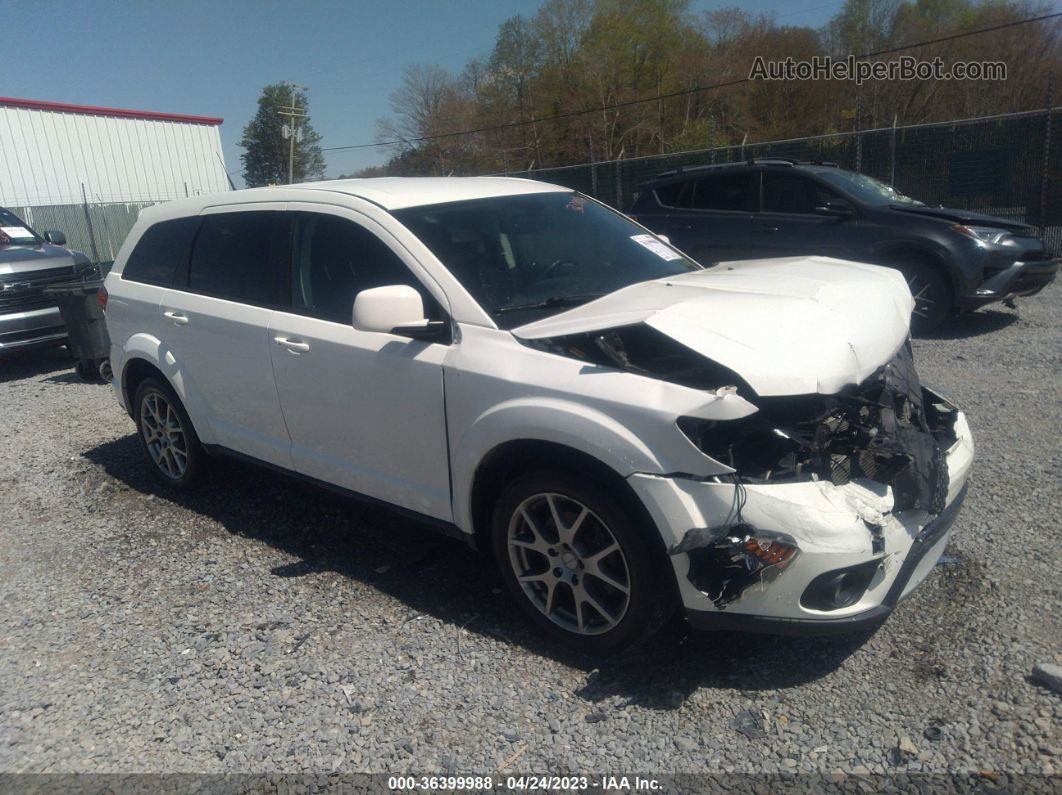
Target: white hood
{"points": [[788, 326]]}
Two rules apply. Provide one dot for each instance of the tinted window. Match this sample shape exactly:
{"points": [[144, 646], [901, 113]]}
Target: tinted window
{"points": [[669, 195], [334, 260], [241, 256], [725, 192], [160, 251], [791, 193]]}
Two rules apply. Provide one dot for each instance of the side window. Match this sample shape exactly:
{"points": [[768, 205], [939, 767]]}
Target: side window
{"points": [[334, 260], [670, 195], [161, 252], [735, 192], [241, 256], [791, 193]]}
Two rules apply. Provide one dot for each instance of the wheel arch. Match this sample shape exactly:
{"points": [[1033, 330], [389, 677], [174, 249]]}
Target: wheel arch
{"points": [[508, 460], [895, 252], [140, 363]]}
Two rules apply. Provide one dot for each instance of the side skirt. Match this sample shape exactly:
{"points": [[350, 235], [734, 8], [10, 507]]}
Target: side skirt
{"points": [[439, 526]]}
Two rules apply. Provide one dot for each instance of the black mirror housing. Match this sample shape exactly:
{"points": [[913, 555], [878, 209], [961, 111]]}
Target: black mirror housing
{"points": [[55, 238]]}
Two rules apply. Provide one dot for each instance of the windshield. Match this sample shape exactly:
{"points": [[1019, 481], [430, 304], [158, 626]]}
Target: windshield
{"points": [[868, 189], [523, 257], [12, 230]]}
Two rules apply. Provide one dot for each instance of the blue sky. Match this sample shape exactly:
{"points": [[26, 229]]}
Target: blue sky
{"points": [[212, 58]]}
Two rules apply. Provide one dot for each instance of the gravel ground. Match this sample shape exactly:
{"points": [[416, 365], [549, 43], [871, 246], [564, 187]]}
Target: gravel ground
{"points": [[258, 624]]}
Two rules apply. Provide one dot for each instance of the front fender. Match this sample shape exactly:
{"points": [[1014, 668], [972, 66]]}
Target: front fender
{"points": [[573, 425]]}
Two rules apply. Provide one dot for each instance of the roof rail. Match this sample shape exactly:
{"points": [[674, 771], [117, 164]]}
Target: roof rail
{"points": [[772, 161]]}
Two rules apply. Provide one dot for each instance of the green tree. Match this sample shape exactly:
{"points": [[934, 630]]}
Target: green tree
{"points": [[265, 161]]}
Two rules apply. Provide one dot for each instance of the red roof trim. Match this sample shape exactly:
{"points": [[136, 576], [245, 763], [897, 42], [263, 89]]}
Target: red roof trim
{"points": [[93, 110]]}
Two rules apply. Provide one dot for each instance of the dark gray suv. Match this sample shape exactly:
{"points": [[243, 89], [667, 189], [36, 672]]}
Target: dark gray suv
{"points": [[954, 260], [30, 262]]}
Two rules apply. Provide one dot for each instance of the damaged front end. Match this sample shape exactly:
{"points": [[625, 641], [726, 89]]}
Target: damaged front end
{"points": [[887, 429]]}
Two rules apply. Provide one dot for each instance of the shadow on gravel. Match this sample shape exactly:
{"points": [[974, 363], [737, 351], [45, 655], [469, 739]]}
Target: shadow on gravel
{"points": [[973, 324], [443, 578], [17, 365]]}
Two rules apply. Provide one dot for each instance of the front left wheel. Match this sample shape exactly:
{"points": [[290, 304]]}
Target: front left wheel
{"points": [[166, 433], [579, 563]]}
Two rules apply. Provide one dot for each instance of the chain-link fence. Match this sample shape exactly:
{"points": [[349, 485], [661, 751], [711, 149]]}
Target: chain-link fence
{"points": [[1009, 166], [95, 229]]}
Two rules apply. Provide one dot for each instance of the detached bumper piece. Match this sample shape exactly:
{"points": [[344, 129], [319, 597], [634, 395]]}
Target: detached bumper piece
{"points": [[927, 540]]}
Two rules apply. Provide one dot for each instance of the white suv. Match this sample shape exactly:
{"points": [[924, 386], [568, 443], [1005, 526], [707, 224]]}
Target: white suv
{"points": [[624, 430]]}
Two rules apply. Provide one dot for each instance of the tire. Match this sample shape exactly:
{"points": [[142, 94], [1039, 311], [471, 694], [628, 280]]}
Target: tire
{"points": [[88, 370], [931, 291], [568, 582], [166, 434]]}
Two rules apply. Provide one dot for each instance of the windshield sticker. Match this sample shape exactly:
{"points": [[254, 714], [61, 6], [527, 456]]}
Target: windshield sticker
{"points": [[656, 246], [577, 204], [16, 232]]}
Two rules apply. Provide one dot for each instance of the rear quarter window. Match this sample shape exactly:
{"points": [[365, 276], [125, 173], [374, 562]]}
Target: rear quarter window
{"points": [[160, 252], [670, 195]]}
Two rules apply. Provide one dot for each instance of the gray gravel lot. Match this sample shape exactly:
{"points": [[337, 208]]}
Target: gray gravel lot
{"points": [[258, 624]]}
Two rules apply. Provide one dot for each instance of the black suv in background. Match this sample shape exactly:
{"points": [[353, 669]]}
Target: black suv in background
{"points": [[954, 260]]}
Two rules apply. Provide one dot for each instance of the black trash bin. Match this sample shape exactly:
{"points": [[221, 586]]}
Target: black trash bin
{"points": [[85, 327]]}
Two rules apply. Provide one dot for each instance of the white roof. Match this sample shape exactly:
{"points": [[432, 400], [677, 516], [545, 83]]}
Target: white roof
{"points": [[394, 193]]}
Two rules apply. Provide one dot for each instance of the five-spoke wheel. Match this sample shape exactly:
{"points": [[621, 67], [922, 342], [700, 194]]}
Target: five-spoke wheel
{"points": [[166, 433], [579, 561]]}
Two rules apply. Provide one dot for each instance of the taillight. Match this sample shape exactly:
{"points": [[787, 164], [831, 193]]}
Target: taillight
{"points": [[101, 296]]}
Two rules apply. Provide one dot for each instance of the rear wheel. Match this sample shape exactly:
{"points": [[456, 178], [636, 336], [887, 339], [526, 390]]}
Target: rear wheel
{"points": [[166, 433], [578, 564], [931, 293]]}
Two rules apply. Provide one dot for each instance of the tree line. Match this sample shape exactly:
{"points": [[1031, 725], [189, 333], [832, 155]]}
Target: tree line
{"points": [[576, 55]]}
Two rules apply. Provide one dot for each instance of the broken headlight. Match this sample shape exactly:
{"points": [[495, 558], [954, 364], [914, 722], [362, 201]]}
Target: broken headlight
{"points": [[750, 446]]}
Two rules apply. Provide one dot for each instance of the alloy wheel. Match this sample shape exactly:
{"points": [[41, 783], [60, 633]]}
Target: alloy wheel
{"points": [[164, 435], [569, 564], [924, 293]]}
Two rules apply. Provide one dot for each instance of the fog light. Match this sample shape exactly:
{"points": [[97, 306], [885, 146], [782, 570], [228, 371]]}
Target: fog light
{"points": [[835, 590]]}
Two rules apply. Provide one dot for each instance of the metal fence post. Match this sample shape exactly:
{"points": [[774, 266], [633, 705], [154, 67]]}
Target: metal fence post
{"points": [[1047, 158], [892, 152], [88, 221]]}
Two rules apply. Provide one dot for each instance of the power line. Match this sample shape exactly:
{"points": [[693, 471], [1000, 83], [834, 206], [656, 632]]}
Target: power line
{"points": [[681, 93]]}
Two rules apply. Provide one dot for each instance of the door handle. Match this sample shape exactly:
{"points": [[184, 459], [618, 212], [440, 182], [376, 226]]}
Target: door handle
{"points": [[176, 317], [292, 346], [679, 227], [766, 228]]}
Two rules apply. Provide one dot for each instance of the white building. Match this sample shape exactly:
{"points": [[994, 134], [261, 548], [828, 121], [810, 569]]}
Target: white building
{"points": [[87, 171], [53, 153]]}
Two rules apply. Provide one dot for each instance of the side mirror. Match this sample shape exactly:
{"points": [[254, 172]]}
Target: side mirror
{"points": [[836, 209], [55, 238], [395, 309]]}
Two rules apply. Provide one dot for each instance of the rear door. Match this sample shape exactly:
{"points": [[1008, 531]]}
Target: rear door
{"points": [[711, 220], [789, 224], [218, 326], [364, 410]]}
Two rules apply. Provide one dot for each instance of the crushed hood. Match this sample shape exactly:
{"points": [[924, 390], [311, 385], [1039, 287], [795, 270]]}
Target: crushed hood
{"points": [[788, 326]]}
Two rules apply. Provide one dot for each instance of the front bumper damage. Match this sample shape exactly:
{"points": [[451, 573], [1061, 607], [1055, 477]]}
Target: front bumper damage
{"points": [[807, 554]]}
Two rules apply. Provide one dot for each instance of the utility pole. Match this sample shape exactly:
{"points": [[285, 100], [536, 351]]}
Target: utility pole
{"points": [[292, 130]]}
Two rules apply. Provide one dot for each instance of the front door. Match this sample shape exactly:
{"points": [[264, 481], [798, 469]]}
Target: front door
{"points": [[364, 410]]}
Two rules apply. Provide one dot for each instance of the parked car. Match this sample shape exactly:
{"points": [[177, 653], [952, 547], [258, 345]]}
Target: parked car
{"points": [[29, 263], [622, 429], [953, 260]]}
